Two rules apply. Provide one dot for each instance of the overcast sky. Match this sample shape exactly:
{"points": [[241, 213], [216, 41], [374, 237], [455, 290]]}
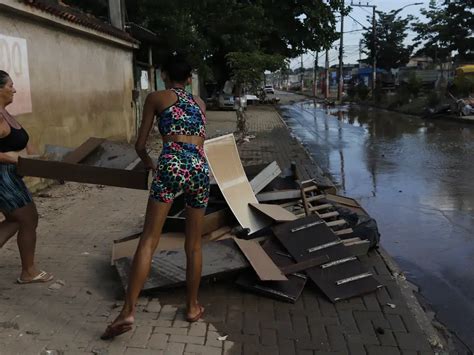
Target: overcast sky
{"points": [[351, 40]]}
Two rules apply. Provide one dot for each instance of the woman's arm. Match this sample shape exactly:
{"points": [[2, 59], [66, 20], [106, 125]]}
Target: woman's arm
{"points": [[144, 130], [31, 149]]}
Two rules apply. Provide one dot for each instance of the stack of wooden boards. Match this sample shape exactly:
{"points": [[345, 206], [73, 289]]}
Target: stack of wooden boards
{"points": [[296, 236], [272, 233]]}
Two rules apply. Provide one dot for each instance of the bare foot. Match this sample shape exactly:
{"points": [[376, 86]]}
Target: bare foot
{"points": [[120, 325], [195, 313]]}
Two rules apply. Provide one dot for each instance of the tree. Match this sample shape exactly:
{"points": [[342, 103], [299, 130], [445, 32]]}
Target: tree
{"points": [[211, 29], [391, 31], [449, 29]]}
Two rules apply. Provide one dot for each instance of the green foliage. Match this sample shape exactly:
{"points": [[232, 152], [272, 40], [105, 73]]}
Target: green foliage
{"points": [[247, 68], [463, 86], [211, 29], [449, 29], [414, 85], [390, 32]]}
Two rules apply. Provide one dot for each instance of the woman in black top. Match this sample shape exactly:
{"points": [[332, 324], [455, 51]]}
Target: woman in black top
{"points": [[16, 202]]}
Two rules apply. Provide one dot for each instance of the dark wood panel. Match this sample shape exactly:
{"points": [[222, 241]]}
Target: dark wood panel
{"points": [[305, 239], [83, 173]]}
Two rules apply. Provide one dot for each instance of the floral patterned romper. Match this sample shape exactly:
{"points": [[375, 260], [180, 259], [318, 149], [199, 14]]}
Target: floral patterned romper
{"points": [[182, 166]]}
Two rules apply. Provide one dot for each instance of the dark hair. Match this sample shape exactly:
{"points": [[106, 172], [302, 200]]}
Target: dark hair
{"points": [[177, 67], [3, 78]]}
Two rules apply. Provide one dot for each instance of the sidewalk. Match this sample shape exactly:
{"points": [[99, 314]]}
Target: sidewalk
{"points": [[77, 226]]}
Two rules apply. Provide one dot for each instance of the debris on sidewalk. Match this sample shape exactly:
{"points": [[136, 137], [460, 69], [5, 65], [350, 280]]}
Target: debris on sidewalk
{"points": [[302, 231]]}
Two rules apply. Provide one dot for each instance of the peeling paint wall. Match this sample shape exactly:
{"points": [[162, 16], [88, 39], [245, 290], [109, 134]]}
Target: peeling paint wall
{"points": [[81, 85]]}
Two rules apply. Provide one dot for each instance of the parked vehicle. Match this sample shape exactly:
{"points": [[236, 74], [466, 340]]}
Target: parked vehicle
{"points": [[269, 89]]}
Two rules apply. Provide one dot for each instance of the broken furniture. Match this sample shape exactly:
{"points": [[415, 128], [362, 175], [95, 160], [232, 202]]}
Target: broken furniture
{"points": [[311, 239], [343, 276]]}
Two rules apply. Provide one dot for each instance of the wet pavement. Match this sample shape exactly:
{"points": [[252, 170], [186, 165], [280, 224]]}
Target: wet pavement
{"points": [[416, 178]]}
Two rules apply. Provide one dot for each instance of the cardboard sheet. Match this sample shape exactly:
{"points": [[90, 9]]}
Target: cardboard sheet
{"points": [[275, 212], [224, 162], [260, 261]]}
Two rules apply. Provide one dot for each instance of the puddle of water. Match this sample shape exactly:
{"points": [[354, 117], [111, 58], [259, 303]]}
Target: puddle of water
{"points": [[416, 178]]}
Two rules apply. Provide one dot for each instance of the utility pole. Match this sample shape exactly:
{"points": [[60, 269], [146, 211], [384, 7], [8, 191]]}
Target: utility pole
{"points": [[315, 75], [341, 53], [302, 73], [374, 52], [326, 76], [374, 36]]}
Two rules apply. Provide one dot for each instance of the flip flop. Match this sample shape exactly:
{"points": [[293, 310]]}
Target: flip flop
{"points": [[43, 276], [111, 332], [197, 316]]}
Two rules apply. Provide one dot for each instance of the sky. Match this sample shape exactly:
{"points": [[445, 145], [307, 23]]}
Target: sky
{"points": [[351, 40]]}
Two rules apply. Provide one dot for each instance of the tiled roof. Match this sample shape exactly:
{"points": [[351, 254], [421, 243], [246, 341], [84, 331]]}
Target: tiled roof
{"points": [[78, 17]]}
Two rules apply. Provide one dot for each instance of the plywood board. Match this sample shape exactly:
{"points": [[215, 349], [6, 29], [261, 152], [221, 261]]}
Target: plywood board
{"points": [[275, 212], [265, 177], [226, 166], [81, 152], [168, 268], [260, 261], [83, 173]]}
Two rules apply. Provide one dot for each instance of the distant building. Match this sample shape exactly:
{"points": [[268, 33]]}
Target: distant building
{"points": [[420, 62]]}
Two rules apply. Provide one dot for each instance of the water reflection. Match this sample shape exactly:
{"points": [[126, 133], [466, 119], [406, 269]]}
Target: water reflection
{"points": [[416, 178]]}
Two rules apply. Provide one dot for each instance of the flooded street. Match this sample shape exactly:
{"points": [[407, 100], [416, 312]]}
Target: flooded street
{"points": [[416, 178]]}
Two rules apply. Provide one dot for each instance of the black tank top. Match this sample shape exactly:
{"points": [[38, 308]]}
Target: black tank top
{"points": [[15, 141]]}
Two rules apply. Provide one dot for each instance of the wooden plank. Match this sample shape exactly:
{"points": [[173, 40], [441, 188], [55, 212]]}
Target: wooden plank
{"points": [[339, 222], [226, 167], [55, 170], [265, 177], [81, 152], [329, 215], [275, 212], [260, 261], [278, 195], [304, 265], [344, 231]]}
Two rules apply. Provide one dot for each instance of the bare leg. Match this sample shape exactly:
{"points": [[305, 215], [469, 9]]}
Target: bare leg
{"points": [[194, 223], [27, 219], [155, 217], [8, 228]]}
